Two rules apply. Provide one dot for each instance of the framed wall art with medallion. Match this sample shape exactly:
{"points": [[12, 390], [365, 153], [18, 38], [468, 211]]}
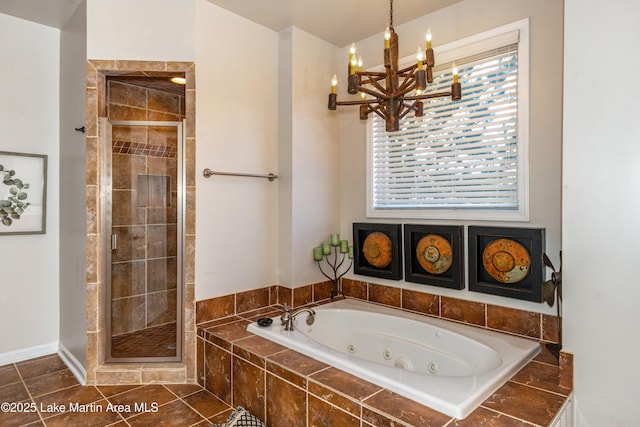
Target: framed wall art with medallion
{"points": [[378, 250], [434, 255], [23, 193], [507, 261]]}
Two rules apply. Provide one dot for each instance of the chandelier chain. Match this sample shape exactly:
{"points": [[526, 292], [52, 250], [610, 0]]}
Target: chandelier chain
{"points": [[391, 13]]}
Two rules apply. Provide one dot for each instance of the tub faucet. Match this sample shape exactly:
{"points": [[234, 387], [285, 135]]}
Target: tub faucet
{"points": [[287, 317]]}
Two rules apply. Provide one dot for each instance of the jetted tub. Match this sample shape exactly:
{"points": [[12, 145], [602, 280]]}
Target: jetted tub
{"points": [[446, 366]]}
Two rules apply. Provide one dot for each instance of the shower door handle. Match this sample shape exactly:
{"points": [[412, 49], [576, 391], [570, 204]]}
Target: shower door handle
{"points": [[114, 242]]}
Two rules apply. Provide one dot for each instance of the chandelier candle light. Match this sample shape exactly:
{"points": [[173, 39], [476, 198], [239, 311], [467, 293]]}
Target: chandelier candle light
{"points": [[403, 90], [324, 251]]}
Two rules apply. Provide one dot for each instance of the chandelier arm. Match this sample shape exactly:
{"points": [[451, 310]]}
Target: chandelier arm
{"points": [[374, 82], [428, 96], [379, 74], [361, 102], [410, 69], [407, 108], [407, 83], [378, 95], [379, 112], [404, 91]]}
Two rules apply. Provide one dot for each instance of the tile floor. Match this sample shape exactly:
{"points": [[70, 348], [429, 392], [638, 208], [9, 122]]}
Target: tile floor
{"points": [[44, 392]]}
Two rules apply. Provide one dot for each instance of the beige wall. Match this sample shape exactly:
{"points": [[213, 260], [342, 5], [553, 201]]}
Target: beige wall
{"points": [[464, 19], [29, 119]]}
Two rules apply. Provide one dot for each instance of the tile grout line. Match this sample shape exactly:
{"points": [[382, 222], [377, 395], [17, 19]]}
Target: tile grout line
{"points": [[108, 401], [539, 388], [15, 365], [510, 416], [181, 398]]}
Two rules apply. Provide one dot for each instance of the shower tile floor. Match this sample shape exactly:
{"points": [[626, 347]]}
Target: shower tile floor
{"points": [[158, 341], [44, 392]]}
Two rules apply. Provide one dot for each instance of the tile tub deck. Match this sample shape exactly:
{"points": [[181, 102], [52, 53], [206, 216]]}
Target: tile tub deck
{"points": [[286, 388]]}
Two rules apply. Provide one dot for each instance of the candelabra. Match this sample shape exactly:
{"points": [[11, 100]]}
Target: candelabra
{"points": [[335, 262]]}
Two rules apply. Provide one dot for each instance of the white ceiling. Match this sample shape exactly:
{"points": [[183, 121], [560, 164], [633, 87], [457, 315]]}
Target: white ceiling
{"points": [[337, 21], [53, 13]]}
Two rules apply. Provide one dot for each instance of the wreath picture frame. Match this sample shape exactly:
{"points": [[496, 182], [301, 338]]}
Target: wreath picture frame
{"points": [[23, 193]]}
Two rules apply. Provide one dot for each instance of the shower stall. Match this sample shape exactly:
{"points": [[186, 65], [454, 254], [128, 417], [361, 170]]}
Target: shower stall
{"points": [[144, 209], [140, 222]]}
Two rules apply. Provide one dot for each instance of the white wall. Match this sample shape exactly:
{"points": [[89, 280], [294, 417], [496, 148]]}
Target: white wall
{"points": [[29, 119], [236, 131], [145, 30], [601, 222], [461, 20], [309, 191], [73, 234]]}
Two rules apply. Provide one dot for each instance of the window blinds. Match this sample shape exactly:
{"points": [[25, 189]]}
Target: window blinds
{"points": [[460, 154]]}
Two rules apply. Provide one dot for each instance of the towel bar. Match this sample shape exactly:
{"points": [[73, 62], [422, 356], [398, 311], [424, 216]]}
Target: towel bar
{"points": [[208, 173]]}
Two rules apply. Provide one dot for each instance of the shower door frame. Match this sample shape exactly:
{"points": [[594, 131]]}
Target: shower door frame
{"points": [[106, 225]]}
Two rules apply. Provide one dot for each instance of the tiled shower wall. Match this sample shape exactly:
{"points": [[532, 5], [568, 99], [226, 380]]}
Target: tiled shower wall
{"points": [[144, 215], [99, 372]]}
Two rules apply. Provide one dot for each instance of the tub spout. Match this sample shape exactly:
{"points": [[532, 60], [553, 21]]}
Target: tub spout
{"points": [[287, 317]]}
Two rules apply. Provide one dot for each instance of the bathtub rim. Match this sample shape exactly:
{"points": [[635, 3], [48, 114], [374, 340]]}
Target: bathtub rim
{"points": [[453, 405]]}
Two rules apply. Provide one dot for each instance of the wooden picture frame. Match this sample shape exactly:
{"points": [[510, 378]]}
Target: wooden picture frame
{"points": [[434, 255], [23, 193], [378, 250], [506, 261]]}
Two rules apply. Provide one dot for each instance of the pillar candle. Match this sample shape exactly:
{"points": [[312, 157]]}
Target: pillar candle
{"points": [[317, 253], [350, 252], [335, 239], [326, 248], [344, 246]]}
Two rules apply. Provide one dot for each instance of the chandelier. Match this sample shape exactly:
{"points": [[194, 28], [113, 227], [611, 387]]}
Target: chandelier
{"points": [[393, 93]]}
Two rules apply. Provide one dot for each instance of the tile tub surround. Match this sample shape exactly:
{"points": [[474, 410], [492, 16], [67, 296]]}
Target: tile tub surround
{"points": [[284, 387], [532, 325]]}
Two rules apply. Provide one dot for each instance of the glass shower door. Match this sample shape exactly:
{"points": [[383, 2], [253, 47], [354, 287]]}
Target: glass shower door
{"points": [[144, 266]]}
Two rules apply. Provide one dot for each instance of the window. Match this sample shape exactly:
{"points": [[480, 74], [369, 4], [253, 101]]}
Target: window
{"points": [[466, 159]]}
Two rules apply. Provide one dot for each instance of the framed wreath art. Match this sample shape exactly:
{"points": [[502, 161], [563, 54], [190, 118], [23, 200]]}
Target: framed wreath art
{"points": [[23, 190]]}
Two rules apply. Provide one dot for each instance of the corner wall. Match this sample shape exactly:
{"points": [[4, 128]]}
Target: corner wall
{"points": [[73, 291], [308, 150], [29, 119]]}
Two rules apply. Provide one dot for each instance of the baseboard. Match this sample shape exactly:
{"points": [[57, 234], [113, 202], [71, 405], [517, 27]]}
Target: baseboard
{"points": [[28, 353], [72, 363]]}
